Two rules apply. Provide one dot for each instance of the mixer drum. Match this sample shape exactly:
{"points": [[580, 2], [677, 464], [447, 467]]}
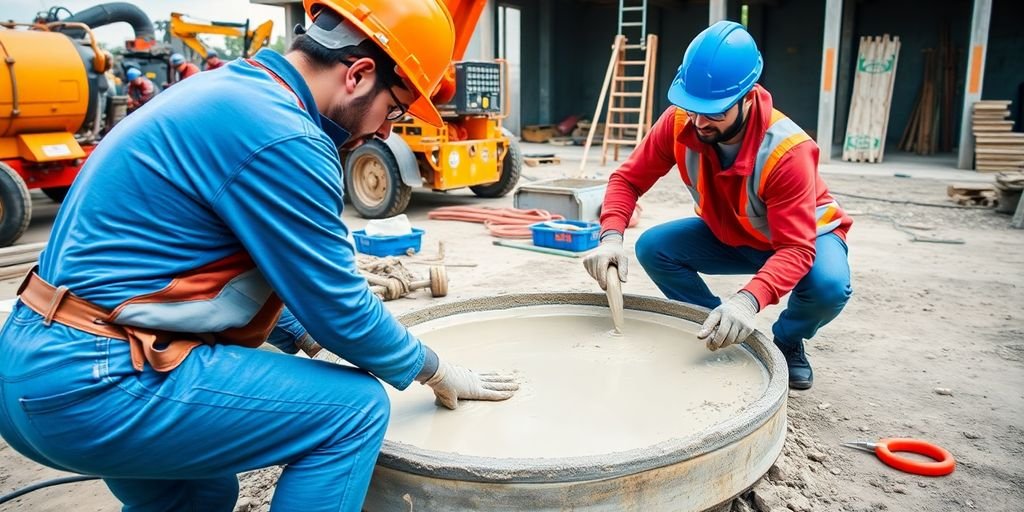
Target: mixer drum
{"points": [[52, 88]]}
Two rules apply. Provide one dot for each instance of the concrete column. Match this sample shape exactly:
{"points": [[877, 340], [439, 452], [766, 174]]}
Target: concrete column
{"points": [[294, 14], [844, 82], [716, 11], [481, 45], [827, 92], [546, 14], [975, 73]]}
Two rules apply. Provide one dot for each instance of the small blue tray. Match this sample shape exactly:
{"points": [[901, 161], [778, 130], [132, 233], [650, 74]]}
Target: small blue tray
{"points": [[388, 245], [582, 239]]}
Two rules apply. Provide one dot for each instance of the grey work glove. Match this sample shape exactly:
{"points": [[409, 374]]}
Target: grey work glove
{"points": [[610, 252], [452, 383], [731, 322]]}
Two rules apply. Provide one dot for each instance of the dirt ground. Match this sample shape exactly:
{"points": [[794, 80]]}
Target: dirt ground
{"points": [[930, 346]]}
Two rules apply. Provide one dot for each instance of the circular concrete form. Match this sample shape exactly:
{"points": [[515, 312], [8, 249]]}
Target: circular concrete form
{"points": [[645, 421]]}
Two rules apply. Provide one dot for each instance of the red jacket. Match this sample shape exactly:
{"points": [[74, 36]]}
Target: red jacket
{"points": [[186, 70], [798, 207]]}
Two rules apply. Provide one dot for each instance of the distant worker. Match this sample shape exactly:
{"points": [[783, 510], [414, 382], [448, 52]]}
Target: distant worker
{"points": [[213, 60], [131, 354], [181, 68], [761, 205], [139, 89]]}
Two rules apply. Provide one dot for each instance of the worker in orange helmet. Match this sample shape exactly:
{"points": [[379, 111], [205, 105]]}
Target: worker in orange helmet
{"points": [[131, 354], [213, 60]]}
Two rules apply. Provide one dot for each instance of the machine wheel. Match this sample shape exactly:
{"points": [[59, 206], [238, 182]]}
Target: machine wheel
{"points": [[511, 168], [15, 206], [56, 193], [373, 182]]}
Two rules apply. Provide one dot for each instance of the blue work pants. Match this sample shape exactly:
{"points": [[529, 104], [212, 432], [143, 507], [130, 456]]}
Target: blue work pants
{"points": [[176, 441], [674, 253]]}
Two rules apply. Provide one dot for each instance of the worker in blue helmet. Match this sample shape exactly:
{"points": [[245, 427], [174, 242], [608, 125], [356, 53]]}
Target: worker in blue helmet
{"points": [[139, 90], [180, 69], [762, 208]]}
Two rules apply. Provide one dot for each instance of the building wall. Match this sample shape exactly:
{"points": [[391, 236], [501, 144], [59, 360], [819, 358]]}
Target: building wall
{"points": [[1004, 65], [919, 25], [789, 35]]}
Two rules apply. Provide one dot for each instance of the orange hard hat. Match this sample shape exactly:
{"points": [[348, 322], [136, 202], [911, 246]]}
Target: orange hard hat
{"points": [[419, 35]]}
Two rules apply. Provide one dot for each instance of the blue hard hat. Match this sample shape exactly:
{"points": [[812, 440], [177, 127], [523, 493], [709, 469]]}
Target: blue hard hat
{"points": [[133, 73], [721, 65], [177, 58]]}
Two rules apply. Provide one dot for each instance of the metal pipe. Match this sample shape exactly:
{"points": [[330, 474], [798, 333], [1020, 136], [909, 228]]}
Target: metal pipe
{"points": [[105, 14]]}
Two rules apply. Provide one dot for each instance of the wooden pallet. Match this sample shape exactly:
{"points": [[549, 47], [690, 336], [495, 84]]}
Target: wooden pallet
{"points": [[537, 161], [872, 95]]}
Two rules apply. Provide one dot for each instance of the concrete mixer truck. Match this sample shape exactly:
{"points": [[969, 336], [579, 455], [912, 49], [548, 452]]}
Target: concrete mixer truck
{"points": [[54, 102]]}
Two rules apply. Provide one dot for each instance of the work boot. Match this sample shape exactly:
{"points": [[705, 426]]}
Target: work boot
{"points": [[800, 374]]}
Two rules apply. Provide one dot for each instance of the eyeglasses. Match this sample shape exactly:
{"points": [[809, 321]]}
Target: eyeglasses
{"points": [[710, 117], [398, 110]]}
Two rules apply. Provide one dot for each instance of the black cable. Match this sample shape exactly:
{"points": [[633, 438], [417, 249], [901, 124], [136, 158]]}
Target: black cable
{"points": [[46, 483]]}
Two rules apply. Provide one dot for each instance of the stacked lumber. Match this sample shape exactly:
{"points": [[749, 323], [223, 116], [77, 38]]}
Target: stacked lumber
{"points": [[930, 127], [872, 96], [996, 147]]}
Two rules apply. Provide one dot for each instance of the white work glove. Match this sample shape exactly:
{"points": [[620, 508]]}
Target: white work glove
{"points": [[610, 252], [731, 322], [453, 383]]}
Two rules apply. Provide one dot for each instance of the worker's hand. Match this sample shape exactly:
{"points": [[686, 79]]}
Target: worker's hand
{"points": [[610, 252], [731, 322], [453, 383]]}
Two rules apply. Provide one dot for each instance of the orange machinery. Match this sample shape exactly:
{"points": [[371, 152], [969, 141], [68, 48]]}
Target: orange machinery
{"points": [[471, 150], [54, 103]]}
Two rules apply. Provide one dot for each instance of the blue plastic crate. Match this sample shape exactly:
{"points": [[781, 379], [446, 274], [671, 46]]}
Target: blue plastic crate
{"points": [[388, 245], [548, 234]]}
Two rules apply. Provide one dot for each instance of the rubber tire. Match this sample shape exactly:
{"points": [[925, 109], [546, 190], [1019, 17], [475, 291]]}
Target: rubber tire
{"points": [[511, 169], [397, 195], [56, 193], [15, 206]]}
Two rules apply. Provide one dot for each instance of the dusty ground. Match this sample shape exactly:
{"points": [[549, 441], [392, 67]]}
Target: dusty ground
{"points": [[923, 316]]}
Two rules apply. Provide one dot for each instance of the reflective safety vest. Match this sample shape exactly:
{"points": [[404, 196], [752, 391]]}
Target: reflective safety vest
{"points": [[782, 135]]}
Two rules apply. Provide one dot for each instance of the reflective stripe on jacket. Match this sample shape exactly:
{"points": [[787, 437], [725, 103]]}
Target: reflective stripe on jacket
{"points": [[782, 135]]}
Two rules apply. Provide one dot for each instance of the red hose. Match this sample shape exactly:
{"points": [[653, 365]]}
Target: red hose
{"points": [[500, 222]]}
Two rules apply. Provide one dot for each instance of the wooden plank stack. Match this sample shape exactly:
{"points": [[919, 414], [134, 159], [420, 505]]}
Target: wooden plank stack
{"points": [[930, 127], [872, 96], [996, 146]]}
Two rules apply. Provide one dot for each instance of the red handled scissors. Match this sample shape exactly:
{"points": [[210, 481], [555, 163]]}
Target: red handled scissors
{"points": [[942, 464]]}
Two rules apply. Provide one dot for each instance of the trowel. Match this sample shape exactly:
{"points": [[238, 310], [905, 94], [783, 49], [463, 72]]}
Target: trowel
{"points": [[613, 287]]}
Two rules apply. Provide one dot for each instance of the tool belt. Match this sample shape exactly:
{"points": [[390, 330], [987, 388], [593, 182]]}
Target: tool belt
{"points": [[164, 351]]}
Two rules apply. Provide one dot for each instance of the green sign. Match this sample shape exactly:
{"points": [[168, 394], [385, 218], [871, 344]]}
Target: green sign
{"points": [[876, 66], [862, 142]]}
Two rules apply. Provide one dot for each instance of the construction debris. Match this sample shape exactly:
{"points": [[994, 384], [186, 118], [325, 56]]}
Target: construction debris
{"points": [[996, 146], [972, 194], [1009, 186], [390, 280]]}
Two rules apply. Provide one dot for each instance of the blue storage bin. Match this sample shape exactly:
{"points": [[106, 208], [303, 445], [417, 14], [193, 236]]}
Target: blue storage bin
{"points": [[548, 234], [388, 245]]}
